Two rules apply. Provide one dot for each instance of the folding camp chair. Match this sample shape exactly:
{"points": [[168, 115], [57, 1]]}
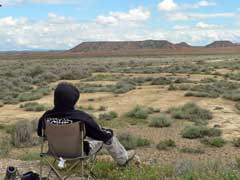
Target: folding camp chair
{"points": [[66, 142]]}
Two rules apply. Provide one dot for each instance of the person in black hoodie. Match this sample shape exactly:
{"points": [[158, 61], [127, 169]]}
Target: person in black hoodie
{"points": [[66, 96]]}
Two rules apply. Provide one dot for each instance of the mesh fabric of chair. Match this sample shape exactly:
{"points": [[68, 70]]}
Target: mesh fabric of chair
{"points": [[66, 141]]}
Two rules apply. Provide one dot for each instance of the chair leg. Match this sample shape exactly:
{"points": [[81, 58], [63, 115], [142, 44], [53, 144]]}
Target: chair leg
{"points": [[41, 170], [71, 168], [55, 170], [41, 157], [82, 171]]}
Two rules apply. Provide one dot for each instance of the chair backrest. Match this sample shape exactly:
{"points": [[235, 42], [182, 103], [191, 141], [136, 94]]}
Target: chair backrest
{"points": [[66, 140]]}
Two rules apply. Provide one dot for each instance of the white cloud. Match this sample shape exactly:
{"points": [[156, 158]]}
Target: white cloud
{"points": [[198, 26], [61, 32], [11, 2], [167, 5], [170, 5], [203, 25], [132, 16], [55, 1], [204, 3], [16, 2], [181, 27], [190, 16]]}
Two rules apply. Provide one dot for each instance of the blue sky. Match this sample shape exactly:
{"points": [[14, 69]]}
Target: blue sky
{"points": [[62, 24]]}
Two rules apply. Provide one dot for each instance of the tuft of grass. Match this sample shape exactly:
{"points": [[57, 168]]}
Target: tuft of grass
{"points": [[132, 142], [236, 142], [123, 86], [212, 132], [108, 116], [200, 94], [191, 150], [166, 144], [193, 132], [172, 87], [33, 106], [30, 156], [238, 106], [161, 81], [102, 108], [5, 146], [214, 141], [152, 110], [110, 170], [160, 121], [1, 104], [143, 142], [22, 134], [233, 95], [191, 112], [34, 94], [138, 112]]}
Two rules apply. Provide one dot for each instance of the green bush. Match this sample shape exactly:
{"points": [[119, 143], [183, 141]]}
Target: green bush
{"points": [[102, 108], [190, 150], [182, 87], [172, 87], [152, 110], [108, 116], [132, 142], [92, 88], [160, 121], [34, 94], [233, 95], [111, 171], [104, 77], [200, 94], [216, 89], [123, 87], [208, 80], [22, 134], [90, 108], [142, 142], [236, 142], [233, 76], [166, 144], [193, 132], [33, 106], [192, 112], [212, 132], [214, 141], [5, 146], [182, 80], [138, 112], [161, 81], [238, 106], [74, 73], [30, 156], [1, 104]]}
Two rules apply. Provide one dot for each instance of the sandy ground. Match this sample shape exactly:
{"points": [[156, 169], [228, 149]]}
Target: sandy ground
{"points": [[225, 116], [151, 96]]}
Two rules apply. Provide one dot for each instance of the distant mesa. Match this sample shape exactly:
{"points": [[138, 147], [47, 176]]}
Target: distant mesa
{"points": [[183, 45], [150, 47], [127, 45], [221, 44]]}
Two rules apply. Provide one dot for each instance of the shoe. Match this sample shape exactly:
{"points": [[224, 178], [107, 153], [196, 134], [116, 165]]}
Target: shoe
{"points": [[131, 155]]}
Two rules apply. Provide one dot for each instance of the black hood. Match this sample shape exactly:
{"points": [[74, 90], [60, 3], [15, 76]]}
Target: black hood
{"points": [[65, 96]]}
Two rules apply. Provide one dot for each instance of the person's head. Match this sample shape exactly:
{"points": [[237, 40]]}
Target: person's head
{"points": [[66, 96]]}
